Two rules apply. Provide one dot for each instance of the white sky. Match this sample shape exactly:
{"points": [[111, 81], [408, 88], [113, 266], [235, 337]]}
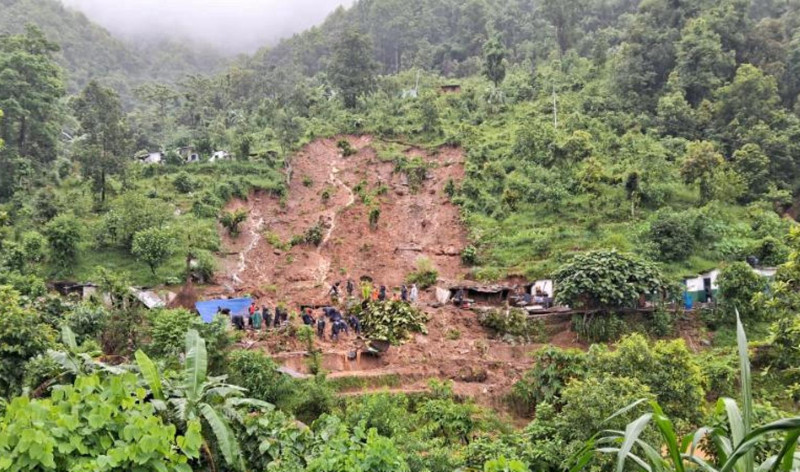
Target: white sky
{"points": [[228, 25]]}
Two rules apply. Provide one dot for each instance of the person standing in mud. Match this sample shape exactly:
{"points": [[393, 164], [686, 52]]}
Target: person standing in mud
{"points": [[334, 292], [265, 314], [382, 293], [321, 327], [256, 320], [404, 293], [414, 293], [351, 286]]}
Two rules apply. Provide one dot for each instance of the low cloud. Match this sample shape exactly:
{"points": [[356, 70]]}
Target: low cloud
{"points": [[231, 26]]}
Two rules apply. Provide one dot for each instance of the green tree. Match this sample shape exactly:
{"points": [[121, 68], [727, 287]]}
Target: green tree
{"points": [[699, 165], [154, 246], [30, 90], [701, 65], [23, 336], [63, 234], [352, 70], [494, 56], [738, 284], [606, 280], [99, 112], [668, 368], [671, 236], [753, 166]]}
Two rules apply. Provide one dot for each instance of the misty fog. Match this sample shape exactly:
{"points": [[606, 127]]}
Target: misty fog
{"points": [[231, 26]]}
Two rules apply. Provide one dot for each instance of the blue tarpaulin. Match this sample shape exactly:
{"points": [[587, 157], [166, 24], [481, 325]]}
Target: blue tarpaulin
{"points": [[209, 309]]}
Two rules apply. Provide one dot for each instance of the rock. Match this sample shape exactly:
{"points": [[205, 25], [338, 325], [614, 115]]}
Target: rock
{"points": [[400, 192], [277, 252]]}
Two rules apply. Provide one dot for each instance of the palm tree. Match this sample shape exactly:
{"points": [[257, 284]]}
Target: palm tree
{"points": [[735, 452], [195, 395]]}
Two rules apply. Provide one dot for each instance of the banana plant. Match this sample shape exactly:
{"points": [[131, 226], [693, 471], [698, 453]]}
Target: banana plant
{"points": [[735, 453], [195, 395]]}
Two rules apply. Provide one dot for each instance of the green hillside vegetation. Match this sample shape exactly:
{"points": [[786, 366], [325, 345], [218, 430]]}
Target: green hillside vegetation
{"points": [[614, 145], [89, 52]]}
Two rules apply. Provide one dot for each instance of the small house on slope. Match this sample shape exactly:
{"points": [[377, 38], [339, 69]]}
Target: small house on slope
{"points": [[495, 294], [188, 154], [702, 288], [220, 156], [150, 157]]}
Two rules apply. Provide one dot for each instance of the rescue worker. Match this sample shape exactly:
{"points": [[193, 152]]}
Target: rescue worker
{"points": [[382, 293], [308, 319], [321, 327], [267, 316], [355, 323], [414, 293], [238, 321], [351, 286], [404, 293]]}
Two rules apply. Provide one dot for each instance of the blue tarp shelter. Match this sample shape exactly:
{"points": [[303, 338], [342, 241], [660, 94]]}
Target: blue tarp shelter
{"points": [[208, 309]]}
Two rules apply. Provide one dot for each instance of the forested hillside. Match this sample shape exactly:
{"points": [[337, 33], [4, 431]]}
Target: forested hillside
{"points": [[90, 52], [541, 233]]}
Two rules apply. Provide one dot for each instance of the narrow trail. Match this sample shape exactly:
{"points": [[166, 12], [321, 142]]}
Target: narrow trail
{"points": [[321, 272]]}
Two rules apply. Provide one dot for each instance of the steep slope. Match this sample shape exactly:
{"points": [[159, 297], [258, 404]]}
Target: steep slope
{"points": [[326, 192]]}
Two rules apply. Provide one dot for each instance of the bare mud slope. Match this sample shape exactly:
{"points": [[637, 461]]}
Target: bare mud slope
{"points": [[326, 189]]}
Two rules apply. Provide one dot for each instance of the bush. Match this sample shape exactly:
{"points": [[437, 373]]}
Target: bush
{"points": [[671, 236], [599, 328], [63, 235], [231, 220], [738, 284], [23, 336], [183, 183], [34, 246], [374, 216], [87, 321], [392, 321], [666, 367], [552, 371], [346, 148], [469, 256], [314, 235], [512, 325], [662, 324], [258, 373], [426, 274], [167, 332]]}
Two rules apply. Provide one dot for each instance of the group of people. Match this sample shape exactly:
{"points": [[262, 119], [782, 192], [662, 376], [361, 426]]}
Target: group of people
{"points": [[375, 293], [334, 317], [255, 318]]}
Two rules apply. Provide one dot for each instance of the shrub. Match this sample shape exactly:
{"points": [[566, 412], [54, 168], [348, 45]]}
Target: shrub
{"points": [[374, 216], [63, 233], [469, 256], [514, 324], [426, 274], [738, 284], [87, 321], [35, 246], [346, 148], [231, 220], [108, 420], [662, 323], [23, 336], [258, 373], [183, 183], [552, 371], [599, 328], [314, 235], [307, 181], [671, 235], [666, 367], [167, 331], [392, 321]]}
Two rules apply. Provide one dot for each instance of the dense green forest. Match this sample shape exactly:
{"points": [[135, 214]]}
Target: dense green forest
{"points": [[616, 146]]}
